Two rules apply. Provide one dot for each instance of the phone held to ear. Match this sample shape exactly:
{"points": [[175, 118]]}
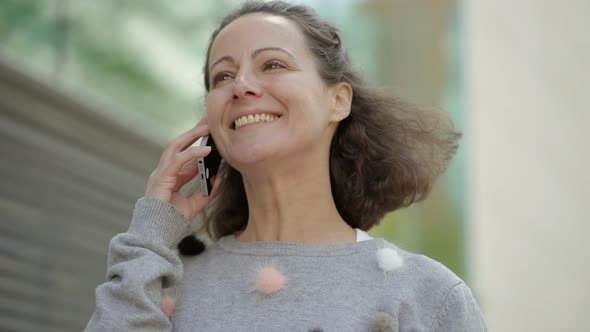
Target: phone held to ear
{"points": [[208, 165]]}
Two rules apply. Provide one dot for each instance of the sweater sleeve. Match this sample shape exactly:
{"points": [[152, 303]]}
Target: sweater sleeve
{"points": [[459, 312], [140, 263]]}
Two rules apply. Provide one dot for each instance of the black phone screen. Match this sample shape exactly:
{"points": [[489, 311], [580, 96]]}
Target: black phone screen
{"points": [[208, 165]]}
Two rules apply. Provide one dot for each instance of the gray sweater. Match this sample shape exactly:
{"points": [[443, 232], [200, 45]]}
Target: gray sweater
{"points": [[364, 286]]}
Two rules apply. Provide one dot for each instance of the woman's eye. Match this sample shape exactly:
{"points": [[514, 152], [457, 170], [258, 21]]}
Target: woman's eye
{"points": [[221, 77], [273, 65]]}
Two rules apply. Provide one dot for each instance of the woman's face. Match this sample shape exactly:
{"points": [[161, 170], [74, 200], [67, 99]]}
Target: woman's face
{"points": [[260, 66]]}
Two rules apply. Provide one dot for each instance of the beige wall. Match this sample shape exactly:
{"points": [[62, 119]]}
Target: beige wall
{"points": [[528, 108]]}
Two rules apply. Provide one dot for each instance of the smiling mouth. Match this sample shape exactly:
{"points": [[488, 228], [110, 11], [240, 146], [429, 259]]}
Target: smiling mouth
{"points": [[254, 118]]}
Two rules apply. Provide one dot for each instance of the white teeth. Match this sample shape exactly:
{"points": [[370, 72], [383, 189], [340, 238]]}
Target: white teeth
{"points": [[250, 119]]}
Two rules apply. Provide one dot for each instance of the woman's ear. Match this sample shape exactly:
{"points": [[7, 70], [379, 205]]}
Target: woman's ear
{"points": [[341, 101]]}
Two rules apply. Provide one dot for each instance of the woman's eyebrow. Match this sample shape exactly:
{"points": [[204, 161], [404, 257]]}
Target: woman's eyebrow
{"points": [[260, 50], [231, 60], [227, 58]]}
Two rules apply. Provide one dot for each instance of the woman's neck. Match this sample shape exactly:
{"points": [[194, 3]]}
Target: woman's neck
{"points": [[296, 206]]}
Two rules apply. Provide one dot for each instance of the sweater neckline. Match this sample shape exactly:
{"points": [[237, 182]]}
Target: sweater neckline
{"points": [[229, 243]]}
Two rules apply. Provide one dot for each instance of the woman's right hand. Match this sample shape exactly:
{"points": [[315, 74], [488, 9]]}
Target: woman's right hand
{"points": [[177, 166]]}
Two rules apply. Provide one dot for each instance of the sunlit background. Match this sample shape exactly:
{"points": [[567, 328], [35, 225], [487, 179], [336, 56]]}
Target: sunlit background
{"points": [[91, 91]]}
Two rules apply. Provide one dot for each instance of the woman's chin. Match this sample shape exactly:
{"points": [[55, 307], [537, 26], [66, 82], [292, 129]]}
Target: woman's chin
{"points": [[249, 158]]}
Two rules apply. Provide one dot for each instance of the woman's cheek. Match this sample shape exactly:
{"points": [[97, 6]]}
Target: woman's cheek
{"points": [[214, 110]]}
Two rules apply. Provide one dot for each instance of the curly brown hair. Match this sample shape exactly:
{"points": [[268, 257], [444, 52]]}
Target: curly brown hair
{"points": [[385, 155]]}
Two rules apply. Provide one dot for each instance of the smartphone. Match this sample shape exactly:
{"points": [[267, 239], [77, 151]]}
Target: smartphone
{"points": [[208, 165]]}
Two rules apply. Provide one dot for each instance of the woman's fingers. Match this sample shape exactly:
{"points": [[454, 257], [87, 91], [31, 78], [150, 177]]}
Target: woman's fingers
{"points": [[182, 142], [197, 201], [162, 181], [204, 120], [186, 173], [183, 157], [178, 165]]}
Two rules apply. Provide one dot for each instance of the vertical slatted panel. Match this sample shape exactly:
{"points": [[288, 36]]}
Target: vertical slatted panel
{"points": [[69, 178]]}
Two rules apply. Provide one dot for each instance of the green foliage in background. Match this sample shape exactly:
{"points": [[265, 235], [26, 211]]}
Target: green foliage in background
{"points": [[129, 56]]}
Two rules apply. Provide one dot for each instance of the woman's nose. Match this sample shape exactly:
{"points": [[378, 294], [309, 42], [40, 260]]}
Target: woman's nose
{"points": [[245, 85]]}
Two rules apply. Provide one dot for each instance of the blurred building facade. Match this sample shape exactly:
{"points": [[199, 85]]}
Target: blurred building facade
{"points": [[70, 174]]}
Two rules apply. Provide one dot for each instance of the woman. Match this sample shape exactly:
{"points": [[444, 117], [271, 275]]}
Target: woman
{"points": [[313, 158]]}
